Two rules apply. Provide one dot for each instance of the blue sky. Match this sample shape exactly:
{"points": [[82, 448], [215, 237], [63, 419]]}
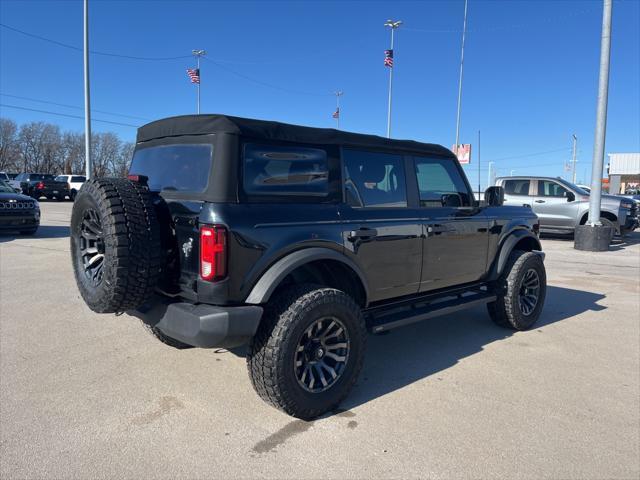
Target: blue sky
{"points": [[531, 69]]}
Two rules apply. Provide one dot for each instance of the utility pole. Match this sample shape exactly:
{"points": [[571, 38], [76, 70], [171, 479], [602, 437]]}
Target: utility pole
{"points": [[392, 25], [573, 157], [338, 94], [479, 163], [87, 103], [198, 54], [464, 31], [593, 236]]}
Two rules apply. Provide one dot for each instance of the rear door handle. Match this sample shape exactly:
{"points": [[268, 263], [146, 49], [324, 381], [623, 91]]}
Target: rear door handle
{"points": [[362, 234], [540, 201], [435, 229]]}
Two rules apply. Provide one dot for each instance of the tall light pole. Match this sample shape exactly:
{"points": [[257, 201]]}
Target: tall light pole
{"points": [[464, 31], [593, 236], [198, 54], [338, 94], [512, 172], [601, 117], [87, 103], [392, 24], [573, 157]]}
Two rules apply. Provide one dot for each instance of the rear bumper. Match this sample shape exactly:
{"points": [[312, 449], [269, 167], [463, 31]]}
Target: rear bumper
{"points": [[202, 325]]}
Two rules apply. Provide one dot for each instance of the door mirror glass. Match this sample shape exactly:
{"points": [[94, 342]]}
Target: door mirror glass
{"points": [[569, 196], [451, 200], [494, 196]]}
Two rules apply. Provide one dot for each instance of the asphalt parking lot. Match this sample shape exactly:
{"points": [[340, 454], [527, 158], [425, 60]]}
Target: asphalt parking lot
{"points": [[94, 396]]}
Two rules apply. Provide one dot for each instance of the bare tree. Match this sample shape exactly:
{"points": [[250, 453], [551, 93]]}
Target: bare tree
{"points": [[9, 152], [41, 147], [73, 152], [120, 164], [105, 147]]}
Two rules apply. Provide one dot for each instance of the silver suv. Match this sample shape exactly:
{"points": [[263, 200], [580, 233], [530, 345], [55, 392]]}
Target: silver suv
{"points": [[561, 205]]}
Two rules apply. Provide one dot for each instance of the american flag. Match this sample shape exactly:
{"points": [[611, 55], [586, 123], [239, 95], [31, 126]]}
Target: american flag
{"points": [[336, 114], [388, 58], [194, 75]]}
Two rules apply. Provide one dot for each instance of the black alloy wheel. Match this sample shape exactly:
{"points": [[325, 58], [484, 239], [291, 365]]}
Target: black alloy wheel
{"points": [[322, 354]]}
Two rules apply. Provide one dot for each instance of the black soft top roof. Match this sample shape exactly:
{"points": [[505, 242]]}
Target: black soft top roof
{"points": [[268, 130]]}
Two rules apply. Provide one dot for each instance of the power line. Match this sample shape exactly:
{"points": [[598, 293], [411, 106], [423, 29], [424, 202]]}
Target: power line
{"points": [[94, 52], [71, 106], [532, 154], [264, 84], [66, 115]]}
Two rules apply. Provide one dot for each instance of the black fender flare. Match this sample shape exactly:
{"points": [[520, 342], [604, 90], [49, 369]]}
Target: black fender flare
{"points": [[269, 281], [507, 247]]}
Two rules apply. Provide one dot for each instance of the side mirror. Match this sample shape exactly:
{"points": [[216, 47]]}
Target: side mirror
{"points": [[570, 196], [494, 196], [451, 200]]}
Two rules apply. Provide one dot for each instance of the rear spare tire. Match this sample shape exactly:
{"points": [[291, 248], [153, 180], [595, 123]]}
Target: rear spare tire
{"points": [[115, 244]]}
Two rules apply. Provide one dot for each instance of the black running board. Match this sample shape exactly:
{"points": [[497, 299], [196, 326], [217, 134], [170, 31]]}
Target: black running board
{"points": [[380, 320]]}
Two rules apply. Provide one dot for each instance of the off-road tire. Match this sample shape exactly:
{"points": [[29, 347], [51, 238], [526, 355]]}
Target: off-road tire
{"points": [[270, 360], [505, 311], [172, 342], [131, 237]]}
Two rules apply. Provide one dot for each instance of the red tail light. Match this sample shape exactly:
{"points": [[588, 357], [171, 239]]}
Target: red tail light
{"points": [[213, 252], [40, 186]]}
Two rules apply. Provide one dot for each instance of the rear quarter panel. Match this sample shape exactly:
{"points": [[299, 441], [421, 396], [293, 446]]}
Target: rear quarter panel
{"points": [[261, 234]]}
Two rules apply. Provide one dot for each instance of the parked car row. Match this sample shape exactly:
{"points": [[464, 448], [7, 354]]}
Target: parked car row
{"points": [[561, 205], [38, 185]]}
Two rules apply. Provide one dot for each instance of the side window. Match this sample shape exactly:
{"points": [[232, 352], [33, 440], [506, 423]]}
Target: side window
{"points": [[20, 177], [284, 170], [61, 178], [547, 188], [78, 178], [374, 179], [440, 183], [516, 187]]}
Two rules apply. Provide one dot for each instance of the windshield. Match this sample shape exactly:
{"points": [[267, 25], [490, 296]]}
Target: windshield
{"points": [[5, 188], [180, 167], [61, 178], [573, 186]]}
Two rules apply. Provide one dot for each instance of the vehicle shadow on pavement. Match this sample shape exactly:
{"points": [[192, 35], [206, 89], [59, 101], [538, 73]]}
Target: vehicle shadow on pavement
{"points": [[44, 231], [417, 351]]}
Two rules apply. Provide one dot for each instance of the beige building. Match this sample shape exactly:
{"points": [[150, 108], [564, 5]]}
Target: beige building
{"points": [[624, 172]]}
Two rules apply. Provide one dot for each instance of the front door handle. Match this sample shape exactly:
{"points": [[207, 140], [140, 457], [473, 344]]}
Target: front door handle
{"points": [[540, 201], [437, 229], [362, 234]]}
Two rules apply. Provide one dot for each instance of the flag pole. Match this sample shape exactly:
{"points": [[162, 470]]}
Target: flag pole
{"points": [[392, 25], [464, 31], [198, 54], [338, 94]]}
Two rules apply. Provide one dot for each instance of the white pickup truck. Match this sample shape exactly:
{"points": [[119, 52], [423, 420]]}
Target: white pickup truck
{"points": [[74, 182]]}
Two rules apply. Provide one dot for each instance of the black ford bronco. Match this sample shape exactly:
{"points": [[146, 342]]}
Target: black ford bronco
{"points": [[297, 241]]}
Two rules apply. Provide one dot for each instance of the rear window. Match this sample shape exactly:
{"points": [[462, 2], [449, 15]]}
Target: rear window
{"points": [[179, 167], [282, 170], [516, 187]]}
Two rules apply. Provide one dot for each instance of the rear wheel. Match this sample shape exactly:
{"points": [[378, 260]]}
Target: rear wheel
{"points": [[308, 351], [521, 290], [72, 195], [115, 244]]}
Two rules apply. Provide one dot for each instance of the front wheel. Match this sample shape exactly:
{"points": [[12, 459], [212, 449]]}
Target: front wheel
{"points": [[308, 351], [520, 290]]}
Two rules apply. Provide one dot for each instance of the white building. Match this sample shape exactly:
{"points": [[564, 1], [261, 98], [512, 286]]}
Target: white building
{"points": [[624, 172]]}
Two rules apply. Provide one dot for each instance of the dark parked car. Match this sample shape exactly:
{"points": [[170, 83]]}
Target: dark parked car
{"points": [[297, 241], [38, 185], [17, 212]]}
